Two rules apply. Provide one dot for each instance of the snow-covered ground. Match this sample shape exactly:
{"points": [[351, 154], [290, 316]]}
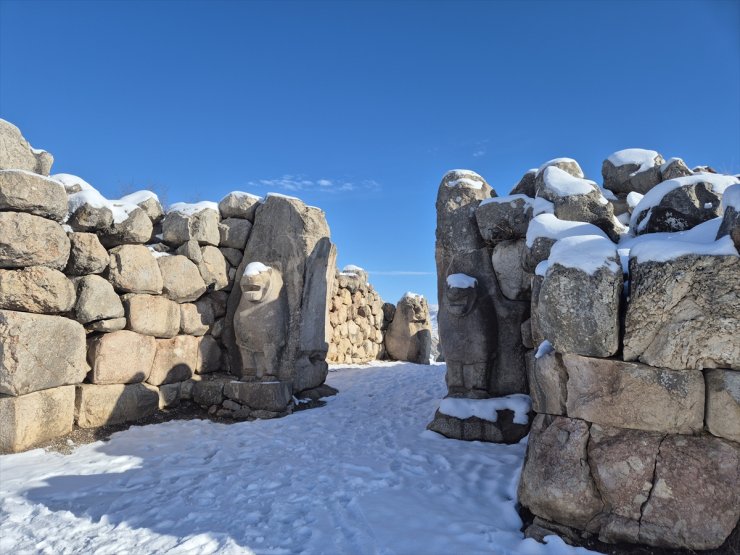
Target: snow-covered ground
{"points": [[360, 475]]}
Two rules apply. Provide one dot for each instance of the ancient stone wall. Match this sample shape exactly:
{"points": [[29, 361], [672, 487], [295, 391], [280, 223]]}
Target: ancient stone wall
{"points": [[113, 309], [632, 347]]}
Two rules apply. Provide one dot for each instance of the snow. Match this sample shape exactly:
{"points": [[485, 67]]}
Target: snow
{"points": [[633, 199], [352, 268], [461, 281], [139, 197], [563, 184], [541, 268], [93, 198], [188, 209], [545, 348], [468, 179], [637, 156], [664, 165], [717, 183], [731, 197], [156, 253], [242, 194], [547, 225], [587, 253], [280, 195], [486, 409], [34, 174], [410, 295], [255, 268], [360, 475], [538, 205], [69, 181], [557, 161]]}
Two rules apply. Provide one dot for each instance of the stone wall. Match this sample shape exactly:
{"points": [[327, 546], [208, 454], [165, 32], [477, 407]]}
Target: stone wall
{"points": [[631, 341], [112, 310]]}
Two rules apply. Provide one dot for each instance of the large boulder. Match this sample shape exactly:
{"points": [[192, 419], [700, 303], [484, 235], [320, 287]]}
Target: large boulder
{"points": [[269, 396], [409, 336], [121, 357], [96, 300], [28, 240], [175, 360], [36, 289], [239, 205], [38, 351], [556, 481], [526, 185], [196, 319], [544, 230], [673, 168], [723, 403], [234, 233], [16, 153], [130, 225], [683, 312], [148, 202], [632, 169], [32, 419], [636, 396], [213, 268], [152, 315], [210, 356], [695, 501], [24, 191], [198, 222], [504, 218], [680, 204], [101, 405], [568, 165], [584, 278], [87, 255], [181, 279], [133, 269]]}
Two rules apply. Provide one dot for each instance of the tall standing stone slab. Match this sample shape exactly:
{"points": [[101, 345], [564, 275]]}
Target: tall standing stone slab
{"points": [[38, 351], [31, 419], [409, 336]]}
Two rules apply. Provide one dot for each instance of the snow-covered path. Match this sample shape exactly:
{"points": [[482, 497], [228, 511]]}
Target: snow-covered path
{"points": [[358, 476]]}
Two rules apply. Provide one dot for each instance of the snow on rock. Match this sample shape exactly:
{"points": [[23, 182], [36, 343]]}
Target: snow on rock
{"points": [[411, 295], [138, 197], [637, 156], [356, 476], [242, 194], [544, 348], [280, 195], [717, 183], [555, 161], [587, 253], [633, 199], [157, 253], [72, 183], [352, 268], [461, 281], [188, 209], [731, 198], [538, 205], [255, 268], [93, 198], [547, 225], [486, 409], [563, 184], [464, 178]]}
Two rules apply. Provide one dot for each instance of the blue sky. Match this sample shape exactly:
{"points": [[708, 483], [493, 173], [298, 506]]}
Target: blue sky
{"points": [[360, 107]]}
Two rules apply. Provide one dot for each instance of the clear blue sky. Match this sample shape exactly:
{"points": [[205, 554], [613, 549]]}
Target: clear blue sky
{"points": [[365, 105]]}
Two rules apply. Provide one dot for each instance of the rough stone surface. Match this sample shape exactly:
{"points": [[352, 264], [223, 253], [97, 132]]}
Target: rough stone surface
{"points": [[674, 168], [26, 342], [578, 312], [526, 185], [213, 268], [695, 502], [504, 430], [547, 379], [207, 393], [507, 260], [16, 153], [723, 403], [181, 280], [409, 335], [106, 326], [175, 360], [96, 300], [202, 226], [133, 269], [239, 205], [135, 229], [195, 319], [680, 209], [120, 357], [191, 250], [24, 191], [635, 396], [234, 233], [504, 221], [556, 482], [36, 289], [152, 315], [232, 256], [35, 418], [626, 178], [731, 220], [87, 217], [28, 240], [87, 255], [683, 314], [210, 356], [100, 405], [270, 396]]}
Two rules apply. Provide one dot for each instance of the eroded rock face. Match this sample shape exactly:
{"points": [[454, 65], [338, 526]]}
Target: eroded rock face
{"points": [[213, 268], [234, 233], [409, 336], [694, 505], [121, 357], [24, 191], [239, 205], [195, 319], [683, 313], [87, 255], [556, 482], [16, 153], [723, 403], [100, 405], [36, 289], [133, 269], [504, 219], [28, 240], [202, 226], [32, 419], [181, 280], [26, 339]]}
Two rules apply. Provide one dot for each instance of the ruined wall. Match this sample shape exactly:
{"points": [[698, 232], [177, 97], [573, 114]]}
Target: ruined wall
{"points": [[632, 349], [112, 310]]}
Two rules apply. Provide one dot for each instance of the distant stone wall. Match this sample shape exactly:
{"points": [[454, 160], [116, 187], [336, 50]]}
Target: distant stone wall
{"points": [[620, 307], [357, 319], [112, 310]]}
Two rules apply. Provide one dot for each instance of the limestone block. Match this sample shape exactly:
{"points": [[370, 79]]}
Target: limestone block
{"points": [[507, 262], [101, 405], [504, 219], [27, 342], [547, 379], [96, 300], [210, 356], [16, 153], [133, 269], [136, 228], [181, 280], [202, 226], [36, 289], [121, 357], [107, 326], [409, 336], [723, 403], [213, 268], [208, 392], [239, 205], [28, 420], [28, 240], [629, 177], [195, 319], [234, 233], [152, 315], [175, 360], [270, 396], [25, 191], [87, 255]]}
